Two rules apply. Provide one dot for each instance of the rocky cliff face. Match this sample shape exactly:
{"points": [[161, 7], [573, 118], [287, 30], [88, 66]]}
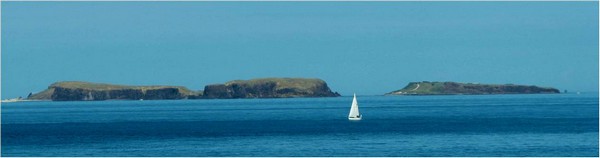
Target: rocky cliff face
{"points": [[258, 88], [76, 91], [270, 88], [449, 88]]}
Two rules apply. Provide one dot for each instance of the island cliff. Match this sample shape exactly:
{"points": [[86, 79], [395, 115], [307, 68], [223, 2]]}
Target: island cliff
{"points": [[257, 88], [270, 88], [451, 88], [73, 90]]}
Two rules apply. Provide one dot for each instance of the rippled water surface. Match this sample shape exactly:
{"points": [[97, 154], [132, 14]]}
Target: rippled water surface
{"points": [[469, 125]]}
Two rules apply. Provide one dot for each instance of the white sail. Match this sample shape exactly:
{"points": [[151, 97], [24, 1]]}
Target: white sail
{"points": [[354, 114]]}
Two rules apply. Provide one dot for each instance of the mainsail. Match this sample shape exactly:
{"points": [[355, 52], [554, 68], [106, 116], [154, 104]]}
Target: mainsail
{"points": [[354, 114]]}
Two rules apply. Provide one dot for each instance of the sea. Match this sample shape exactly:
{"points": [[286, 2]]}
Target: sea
{"points": [[450, 125]]}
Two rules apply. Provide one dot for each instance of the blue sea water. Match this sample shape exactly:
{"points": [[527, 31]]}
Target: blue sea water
{"points": [[460, 125]]}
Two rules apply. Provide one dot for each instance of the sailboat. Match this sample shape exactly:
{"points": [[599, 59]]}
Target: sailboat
{"points": [[354, 114]]}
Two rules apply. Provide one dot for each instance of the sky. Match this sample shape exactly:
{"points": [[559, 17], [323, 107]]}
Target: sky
{"points": [[368, 48]]}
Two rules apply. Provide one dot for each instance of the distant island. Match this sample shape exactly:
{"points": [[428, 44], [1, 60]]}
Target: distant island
{"points": [[270, 88], [454, 88], [257, 88], [79, 91]]}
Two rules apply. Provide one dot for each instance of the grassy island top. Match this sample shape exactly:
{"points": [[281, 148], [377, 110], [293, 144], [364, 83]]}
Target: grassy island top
{"points": [[427, 88], [281, 82], [103, 86]]}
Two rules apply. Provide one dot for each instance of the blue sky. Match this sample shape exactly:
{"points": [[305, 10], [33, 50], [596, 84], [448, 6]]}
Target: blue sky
{"points": [[364, 47]]}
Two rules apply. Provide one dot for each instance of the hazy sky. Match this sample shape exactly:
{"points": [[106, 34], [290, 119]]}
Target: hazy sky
{"points": [[363, 47]]}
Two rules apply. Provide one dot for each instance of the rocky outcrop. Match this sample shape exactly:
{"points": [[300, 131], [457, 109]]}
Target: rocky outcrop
{"points": [[258, 88], [450, 88], [77, 91], [270, 88]]}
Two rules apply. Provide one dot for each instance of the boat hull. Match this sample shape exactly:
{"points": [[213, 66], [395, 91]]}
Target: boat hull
{"points": [[354, 118]]}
